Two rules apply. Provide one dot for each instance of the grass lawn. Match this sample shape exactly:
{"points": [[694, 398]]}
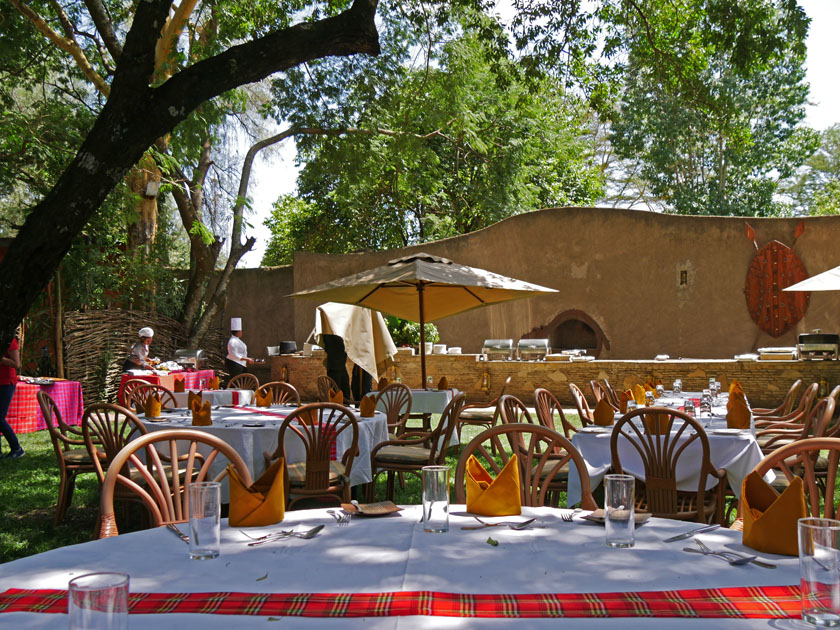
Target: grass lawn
{"points": [[29, 491]]}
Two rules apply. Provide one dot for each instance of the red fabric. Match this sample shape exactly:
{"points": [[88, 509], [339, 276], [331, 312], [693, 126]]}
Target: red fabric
{"points": [[747, 602], [8, 374], [192, 380], [25, 414]]}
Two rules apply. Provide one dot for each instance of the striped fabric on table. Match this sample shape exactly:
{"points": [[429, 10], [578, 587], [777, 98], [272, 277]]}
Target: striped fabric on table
{"points": [[765, 602], [25, 414]]}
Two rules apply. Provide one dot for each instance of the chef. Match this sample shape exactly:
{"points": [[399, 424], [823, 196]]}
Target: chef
{"points": [[237, 359], [139, 354]]}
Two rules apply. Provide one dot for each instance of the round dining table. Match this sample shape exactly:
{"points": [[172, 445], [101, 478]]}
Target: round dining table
{"points": [[387, 573]]}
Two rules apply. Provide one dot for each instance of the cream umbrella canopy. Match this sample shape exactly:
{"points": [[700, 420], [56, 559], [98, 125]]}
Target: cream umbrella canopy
{"points": [[423, 288], [825, 281]]}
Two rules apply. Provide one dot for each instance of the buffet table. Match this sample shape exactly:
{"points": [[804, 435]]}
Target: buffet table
{"points": [[388, 573], [195, 379], [25, 415]]}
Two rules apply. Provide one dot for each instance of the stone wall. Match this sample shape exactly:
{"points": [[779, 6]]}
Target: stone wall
{"points": [[765, 382]]}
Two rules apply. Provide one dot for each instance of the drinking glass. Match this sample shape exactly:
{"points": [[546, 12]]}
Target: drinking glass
{"points": [[436, 499], [660, 391], [631, 406], [98, 601], [819, 569], [650, 401], [678, 386], [706, 401], [205, 520], [688, 407], [619, 491], [429, 383]]}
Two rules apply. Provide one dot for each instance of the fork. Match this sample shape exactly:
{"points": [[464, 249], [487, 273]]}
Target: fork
{"points": [[342, 517], [733, 557]]}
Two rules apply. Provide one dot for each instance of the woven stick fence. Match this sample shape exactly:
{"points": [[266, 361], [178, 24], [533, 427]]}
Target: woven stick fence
{"points": [[96, 344]]}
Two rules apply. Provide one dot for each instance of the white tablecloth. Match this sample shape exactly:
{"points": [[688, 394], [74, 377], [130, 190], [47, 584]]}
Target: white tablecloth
{"points": [[735, 452], [429, 400], [231, 425], [394, 554], [217, 397]]}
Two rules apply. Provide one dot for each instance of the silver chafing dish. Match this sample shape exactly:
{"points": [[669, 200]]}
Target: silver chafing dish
{"points": [[532, 349], [498, 349], [189, 358], [818, 345]]}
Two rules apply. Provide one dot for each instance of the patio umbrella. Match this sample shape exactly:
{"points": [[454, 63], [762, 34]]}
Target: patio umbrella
{"points": [[423, 288], [825, 281]]}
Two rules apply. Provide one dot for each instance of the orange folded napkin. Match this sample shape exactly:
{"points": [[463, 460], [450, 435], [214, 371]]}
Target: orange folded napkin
{"points": [[337, 398], [201, 414], [443, 383], [737, 413], [310, 417], [178, 386], [604, 413], [493, 497], [623, 399], [770, 518], [264, 503], [191, 396], [639, 394], [213, 383], [367, 407], [735, 387], [382, 384], [264, 400], [656, 423], [152, 406]]}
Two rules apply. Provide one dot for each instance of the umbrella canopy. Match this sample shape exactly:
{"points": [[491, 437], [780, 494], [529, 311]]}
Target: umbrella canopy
{"points": [[825, 281], [367, 340], [423, 288]]}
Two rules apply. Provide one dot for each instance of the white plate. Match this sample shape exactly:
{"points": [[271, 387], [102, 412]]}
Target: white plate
{"points": [[726, 431], [596, 429]]}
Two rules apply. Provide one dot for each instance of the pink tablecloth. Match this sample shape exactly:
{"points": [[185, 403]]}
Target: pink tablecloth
{"points": [[25, 415], [192, 380]]}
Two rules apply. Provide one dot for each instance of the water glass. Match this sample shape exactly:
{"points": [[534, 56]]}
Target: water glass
{"points": [[688, 407], [98, 601], [619, 495], [436, 499], [678, 386], [430, 384], [631, 406], [205, 512], [819, 569], [650, 401], [660, 391], [706, 401]]}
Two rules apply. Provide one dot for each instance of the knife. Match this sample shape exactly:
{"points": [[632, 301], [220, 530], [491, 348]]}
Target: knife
{"points": [[174, 529], [699, 530]]}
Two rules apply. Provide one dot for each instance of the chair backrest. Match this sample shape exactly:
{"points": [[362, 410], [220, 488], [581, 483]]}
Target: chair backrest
{"points": [[318, 426], [165, 494], [325, 385], [599, 392], [514, 411], [536, 448], [283, 393], [790, 398], [395, 400], [141, 393], [649, 432], [611, 395], [439, 437], [817, 424], [64, 436], [244, 381], [547, 405], [107, 428], [802, 458], [583, 409], [124, 395]]}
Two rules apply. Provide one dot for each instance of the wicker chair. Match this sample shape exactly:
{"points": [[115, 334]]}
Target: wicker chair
{"points": [[141, 393], [660, 449], [414, 449], [482, 414], [775, 436], [107, 429], [599, 392], [396, 403], [611, 394], [797, 415], [244, 381], [547, 405], [534, 446], [139, 469], [72, 460], [325, 386], [124, 395], [584, 412], [318, 426], [282, 393], [785, 407]]}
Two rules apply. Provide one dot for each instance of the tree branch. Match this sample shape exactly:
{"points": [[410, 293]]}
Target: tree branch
{"points": [[103, 24]]}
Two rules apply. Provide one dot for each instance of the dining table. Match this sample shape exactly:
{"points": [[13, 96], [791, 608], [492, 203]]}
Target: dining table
{"points": [[252, 431], [216, 397], [736, 451], [388, 573], [24, 414], [193, 379]]}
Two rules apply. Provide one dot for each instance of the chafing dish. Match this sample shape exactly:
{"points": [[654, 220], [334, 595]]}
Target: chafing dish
{"points": [[498, 349], [777, 354], [532, 349], [189, 358], [817, 345]]}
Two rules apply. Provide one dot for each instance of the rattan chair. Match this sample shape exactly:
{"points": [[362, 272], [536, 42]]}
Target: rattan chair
{"points": [[547, 406], [482, 414], [599, 392], [325, 386], [539, 469], [414, 449], [282, 393], [649, 432], [797, 415], [106, 429], [584, 412], [318, 426], [612, 396], [124, 395], [141, 393], [395, 400], [70, 452], [775, 436], [785, 407], [140, 469], [244, 381]]}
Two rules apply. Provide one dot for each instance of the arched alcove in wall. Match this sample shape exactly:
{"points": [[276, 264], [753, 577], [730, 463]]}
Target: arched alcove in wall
{"points": [[572, 330]]}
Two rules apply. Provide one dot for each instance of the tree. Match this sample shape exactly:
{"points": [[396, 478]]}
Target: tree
{"points": [[815, 189], [138, 112]]}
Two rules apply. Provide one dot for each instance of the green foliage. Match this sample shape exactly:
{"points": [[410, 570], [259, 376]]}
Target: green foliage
{"points": [[815, 189], [407, 333]]}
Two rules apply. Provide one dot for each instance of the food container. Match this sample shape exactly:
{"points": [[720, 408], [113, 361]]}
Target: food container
{"points": [[498, 349], [532, 349], [439, 348], [454, 350], [190, 358]]}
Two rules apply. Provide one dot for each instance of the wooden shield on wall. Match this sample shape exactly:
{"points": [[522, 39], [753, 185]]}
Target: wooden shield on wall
{"points": [[775, 267]]}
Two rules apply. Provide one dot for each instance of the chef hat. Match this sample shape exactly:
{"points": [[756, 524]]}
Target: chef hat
{"points": [[146, 332], [236, 324]]}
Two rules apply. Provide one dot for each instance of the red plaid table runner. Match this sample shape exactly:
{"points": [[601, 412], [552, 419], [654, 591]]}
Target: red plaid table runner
{"points": [[748, 602], [25, 414], [192, 380]]}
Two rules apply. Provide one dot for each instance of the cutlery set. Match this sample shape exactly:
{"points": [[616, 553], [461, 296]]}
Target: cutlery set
{"points": [[290, 533]]}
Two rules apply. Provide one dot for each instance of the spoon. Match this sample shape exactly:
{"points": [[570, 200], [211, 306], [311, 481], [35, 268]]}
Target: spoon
{"points": [[288, 534], [735, 561]]}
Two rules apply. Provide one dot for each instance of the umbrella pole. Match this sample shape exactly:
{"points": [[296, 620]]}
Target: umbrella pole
{"points": [[420, 289]]}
